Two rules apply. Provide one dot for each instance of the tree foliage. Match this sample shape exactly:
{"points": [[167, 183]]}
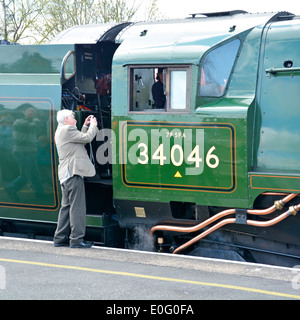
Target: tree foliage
{"points": [[115, 11], [18, 17], [41, 20]]}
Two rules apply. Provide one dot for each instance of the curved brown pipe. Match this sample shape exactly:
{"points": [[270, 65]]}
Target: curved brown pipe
{"points": [[232, 220], [196, 227], [218, 216], [205, 233], [273, 207]]}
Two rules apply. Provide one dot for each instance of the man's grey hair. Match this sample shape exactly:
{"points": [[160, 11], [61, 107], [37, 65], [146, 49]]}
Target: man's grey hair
{"points": [[62, 114]]}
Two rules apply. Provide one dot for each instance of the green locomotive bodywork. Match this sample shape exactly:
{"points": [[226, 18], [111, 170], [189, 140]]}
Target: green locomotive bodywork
{"points": [[226, 137], [238, 123]]}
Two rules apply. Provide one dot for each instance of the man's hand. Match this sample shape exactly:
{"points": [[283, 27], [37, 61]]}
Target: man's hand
{"points": [[90, 120]]}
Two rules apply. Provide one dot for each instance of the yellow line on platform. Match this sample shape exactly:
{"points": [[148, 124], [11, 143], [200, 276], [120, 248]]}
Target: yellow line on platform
{"points": [[136, 275]]}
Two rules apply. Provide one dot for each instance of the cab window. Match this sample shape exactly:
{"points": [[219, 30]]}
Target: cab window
{"points": [[216, 69], [159, 89]]}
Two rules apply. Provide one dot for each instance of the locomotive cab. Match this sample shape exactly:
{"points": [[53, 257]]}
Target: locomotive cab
{"points": [[86, 80], [86, 89]]}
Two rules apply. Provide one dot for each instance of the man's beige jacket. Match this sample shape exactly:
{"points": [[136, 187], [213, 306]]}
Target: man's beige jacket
{"points": [[72, 154]]}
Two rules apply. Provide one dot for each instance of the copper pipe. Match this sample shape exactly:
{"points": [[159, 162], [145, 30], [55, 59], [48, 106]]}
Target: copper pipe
{"points": [[196, 227], [270, 222], [204, 233], [274, 206], [232, 220], [218, 216], [276, 194]]}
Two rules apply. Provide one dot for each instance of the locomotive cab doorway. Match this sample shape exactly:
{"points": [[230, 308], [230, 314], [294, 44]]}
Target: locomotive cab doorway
{"points": [[86, 90], [86, 83]]}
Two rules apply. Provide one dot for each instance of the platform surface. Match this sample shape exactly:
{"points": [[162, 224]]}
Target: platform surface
{"points": [[36, 270]]}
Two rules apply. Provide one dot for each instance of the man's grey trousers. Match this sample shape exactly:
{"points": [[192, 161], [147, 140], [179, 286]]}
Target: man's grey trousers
{"points": [[72, 216]]}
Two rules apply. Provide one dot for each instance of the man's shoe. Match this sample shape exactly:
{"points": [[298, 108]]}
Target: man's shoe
{"points": [[64, 243], [83, 244], [61, 244]]}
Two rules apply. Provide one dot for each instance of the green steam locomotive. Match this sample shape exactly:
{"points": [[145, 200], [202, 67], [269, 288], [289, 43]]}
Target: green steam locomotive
{"points": [[198, 133]]}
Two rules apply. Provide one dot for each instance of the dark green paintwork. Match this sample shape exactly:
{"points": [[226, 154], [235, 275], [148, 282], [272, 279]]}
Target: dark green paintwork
{"points": [[226, 185], [253, 126]]}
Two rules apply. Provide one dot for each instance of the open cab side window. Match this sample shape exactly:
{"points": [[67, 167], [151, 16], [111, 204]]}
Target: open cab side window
{"points": [[155, 89]]}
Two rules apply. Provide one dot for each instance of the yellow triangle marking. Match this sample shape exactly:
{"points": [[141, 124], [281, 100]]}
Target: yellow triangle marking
{"points": [[177, 175]]}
